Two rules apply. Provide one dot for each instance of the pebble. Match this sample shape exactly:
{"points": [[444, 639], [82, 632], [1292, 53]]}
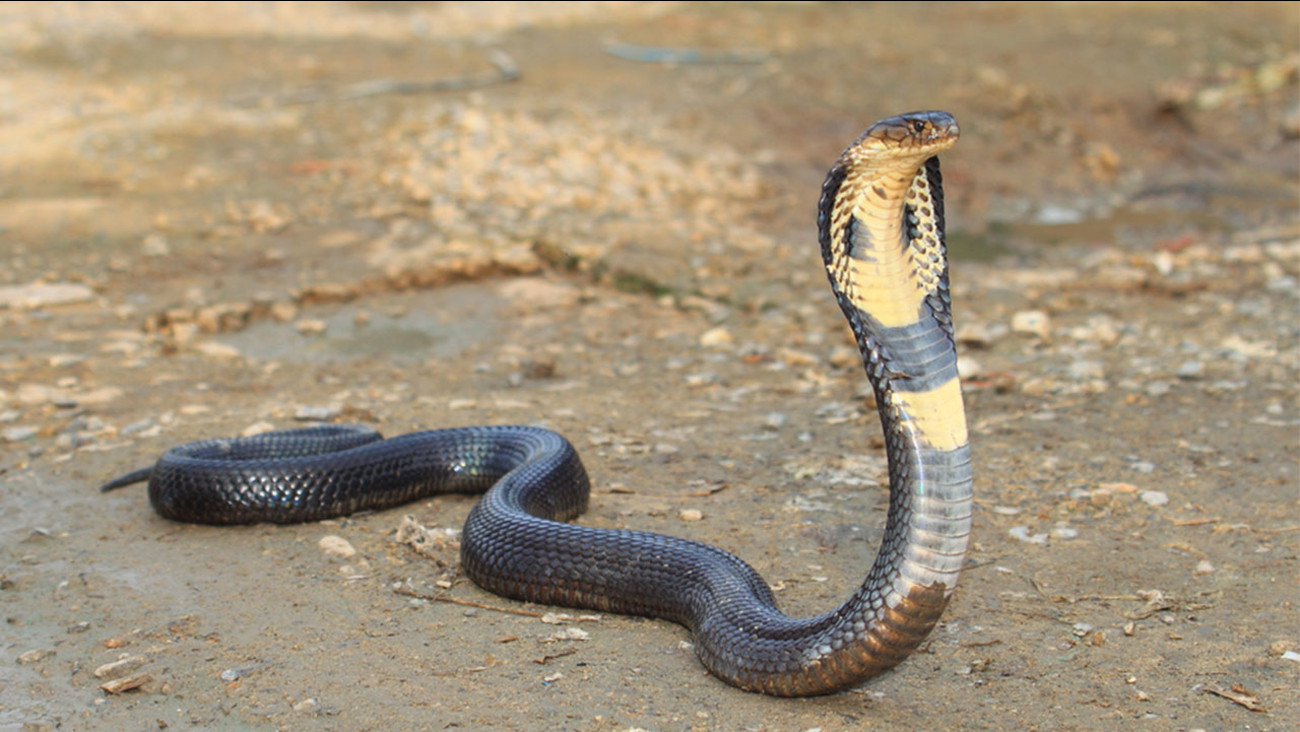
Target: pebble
{"points": [[284, 311], [570, 633], [715, 337], [979, 335], [31, 395], [1142, 466], [691, 514], [310, 326], [317, 413], [1154, 498], [155, 245], [336, 546], [844, 356], [1021, 533], [969, 368], [1191, 370], [306, 705], [1051, 214], [703, 378], [120, 667], [218, 350], [775, 420], [39, 294], [18, 434], [530, 294], [1100, 329], [1032, 322], [1085, 370], [257, 428], [1064, 532], [1204, 567], [39, 654], [63, 360], [1158, 388]]}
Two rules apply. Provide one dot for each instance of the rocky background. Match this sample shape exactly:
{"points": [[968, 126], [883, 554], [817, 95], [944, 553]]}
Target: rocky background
{"points": [[223, 218]]}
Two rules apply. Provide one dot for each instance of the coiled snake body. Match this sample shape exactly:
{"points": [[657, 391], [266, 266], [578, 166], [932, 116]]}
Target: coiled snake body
{"points": [[881, 227]]}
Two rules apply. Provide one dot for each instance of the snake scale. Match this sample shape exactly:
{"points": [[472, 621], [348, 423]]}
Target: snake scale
{"points": [[881, 229]]}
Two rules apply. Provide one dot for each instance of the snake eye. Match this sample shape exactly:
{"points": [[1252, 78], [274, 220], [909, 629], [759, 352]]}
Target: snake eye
{"points": [[919, 126]]}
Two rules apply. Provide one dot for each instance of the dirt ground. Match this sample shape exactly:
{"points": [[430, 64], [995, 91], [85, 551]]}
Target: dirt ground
{"points": [[218, 218]]}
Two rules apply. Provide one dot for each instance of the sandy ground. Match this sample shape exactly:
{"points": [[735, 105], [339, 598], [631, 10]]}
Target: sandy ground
{"points": [[218, 218]]}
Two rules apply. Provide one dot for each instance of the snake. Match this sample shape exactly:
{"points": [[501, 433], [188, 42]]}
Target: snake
{"points": [[882, 234]]}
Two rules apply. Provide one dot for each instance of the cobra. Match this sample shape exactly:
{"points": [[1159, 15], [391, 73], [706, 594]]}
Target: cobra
{"points": [[881, 228]]}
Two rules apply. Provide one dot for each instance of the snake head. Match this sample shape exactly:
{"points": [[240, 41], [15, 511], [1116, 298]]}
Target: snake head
{"points": [[920, 134]]}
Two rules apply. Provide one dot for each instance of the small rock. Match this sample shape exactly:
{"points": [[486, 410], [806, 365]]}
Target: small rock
{"points": [[217, 350], [18, 434], [774, 421], [979, 335], [306, 705], [257, 428], [31, 395], [1191, 370], [1154, 498], [528, 294], [691, 514], [1085, 370], [117, 686], [336, 546], [1204, 567], [39, 294], [63, 360], [155, 245], [969, 368], [284, 311], [703, 378], [310, 326], [1100, 329], [844, 357], [570, 633], [119, 667], [39, 654], [715, 337], [1032, 322], [1021, 533], [1064, 532], [102, 395], [1158, 388], [794, 357], [1051, 214], [317, 413]]}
